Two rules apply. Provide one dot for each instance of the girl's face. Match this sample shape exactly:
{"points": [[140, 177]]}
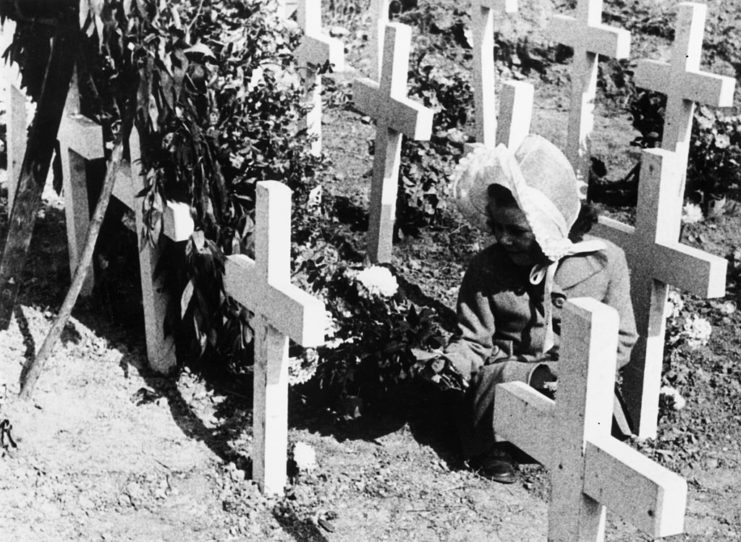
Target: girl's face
{"points": [[513, 233]]}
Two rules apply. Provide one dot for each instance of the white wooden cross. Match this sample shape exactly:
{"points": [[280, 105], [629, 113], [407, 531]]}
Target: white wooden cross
{"points": [[16, 114], [379, 11], [515, 115], [482, 19], [81, 139], [589, 37], [590, 470], [282, 311], [656, 259], [316, 48], [683, 82], [395, 114]]}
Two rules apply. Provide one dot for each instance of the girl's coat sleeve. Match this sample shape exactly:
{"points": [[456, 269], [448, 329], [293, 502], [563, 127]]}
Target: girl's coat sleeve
{"points": [[472, 345]]}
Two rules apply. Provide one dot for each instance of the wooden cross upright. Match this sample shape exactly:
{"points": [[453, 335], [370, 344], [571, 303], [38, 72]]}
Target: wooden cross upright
{"points": [[395, 115], [81, 139], [683, 82], [589, 37], [515, 114], [482, 18], [656, 259], [282, 311], [590, 470], [379, 19], [316, 49], [177, 226], [17, 116]]}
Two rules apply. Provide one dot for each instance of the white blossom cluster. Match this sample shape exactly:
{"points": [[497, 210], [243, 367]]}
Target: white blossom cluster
{"points": [[378, 281], [302, 368], [691, 213], [674, 305], [673, 397], [696, 331]]}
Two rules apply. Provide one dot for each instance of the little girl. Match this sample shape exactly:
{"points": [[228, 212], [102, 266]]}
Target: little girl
{"points": [[511, 295]]}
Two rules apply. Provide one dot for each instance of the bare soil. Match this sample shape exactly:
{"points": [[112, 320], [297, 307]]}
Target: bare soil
{"points": [[108, 451]]}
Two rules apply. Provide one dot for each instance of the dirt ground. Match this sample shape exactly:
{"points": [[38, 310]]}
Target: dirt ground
{"points": [[108, 451]]}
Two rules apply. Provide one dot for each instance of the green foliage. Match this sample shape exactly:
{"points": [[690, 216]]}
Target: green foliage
{"points": [[218, 101], [715, 150], [715, 154], [425, 166], [375, 328]]}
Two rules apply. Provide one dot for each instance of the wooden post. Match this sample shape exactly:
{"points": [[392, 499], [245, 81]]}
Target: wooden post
{"points": [[80, 139], [656, 259], [684, 83], [282, 311], [590, 471], [379, 19], [160, 347], [484, 73], [589, 37], [316, 49], [395, 115], [36, 160], [17, 117], [515, 113]]}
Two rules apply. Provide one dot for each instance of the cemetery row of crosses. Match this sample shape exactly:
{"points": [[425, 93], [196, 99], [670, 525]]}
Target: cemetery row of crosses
{"points": [[590, 470]]}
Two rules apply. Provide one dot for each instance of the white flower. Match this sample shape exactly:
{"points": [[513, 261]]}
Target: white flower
{"points": [[304, 456], [691, 213], [696, 331], [674, 398], [378, 281], [302, 368], [674, 305], [315, 198]]}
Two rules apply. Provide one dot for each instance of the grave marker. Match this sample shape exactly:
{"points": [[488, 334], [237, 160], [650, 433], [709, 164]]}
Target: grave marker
{"points": [[316, 48], [81, 139], [590, 471], [657, 259], [395, 115], [683, 82], [484, 73], [589, 37], [282, 311]]}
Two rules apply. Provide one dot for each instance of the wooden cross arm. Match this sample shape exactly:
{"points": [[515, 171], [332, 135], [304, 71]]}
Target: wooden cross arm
{"points": [[316, 50], [701, 87], [519, 411], [690, 269], [177, 222], [83, 135], [687, 268], [638, 489], [613, 230], [600, 39], [287, 308], [400, 114]]}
